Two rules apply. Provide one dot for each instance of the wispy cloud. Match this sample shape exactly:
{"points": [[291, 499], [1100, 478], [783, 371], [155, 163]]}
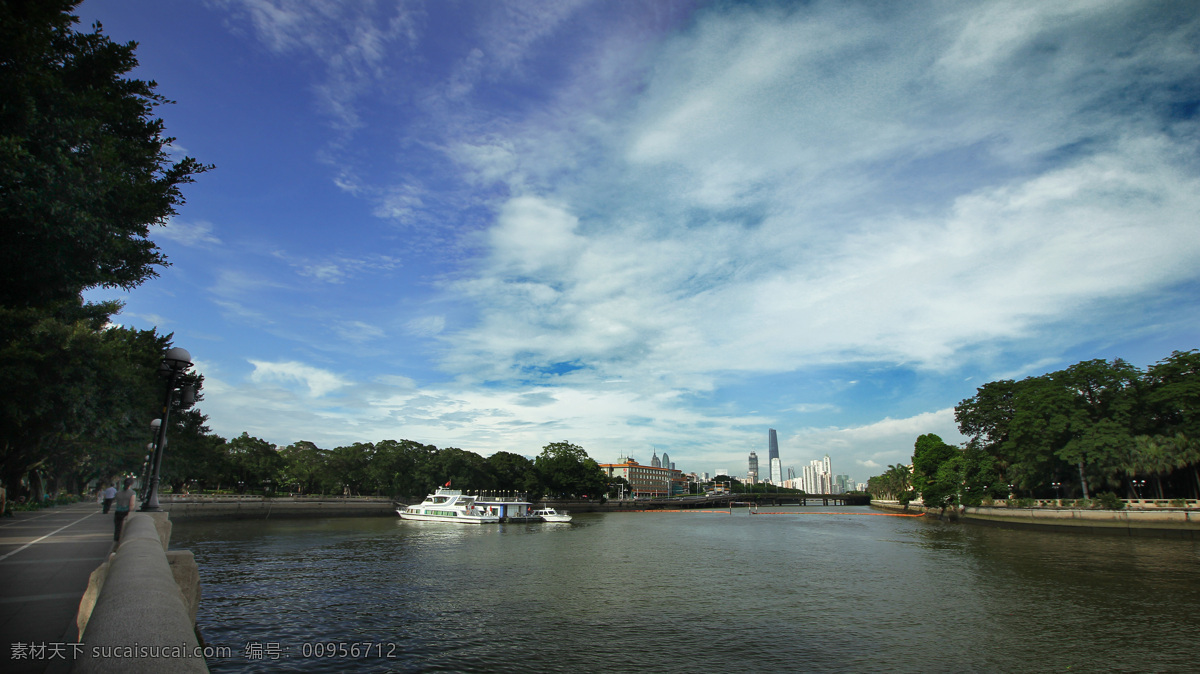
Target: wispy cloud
{"points": [[677, 204], [352, 40], [318, 382], [199, 233]]}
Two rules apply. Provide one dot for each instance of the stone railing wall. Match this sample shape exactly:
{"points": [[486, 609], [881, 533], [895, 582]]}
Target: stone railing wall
{"points": [[139, 611]]}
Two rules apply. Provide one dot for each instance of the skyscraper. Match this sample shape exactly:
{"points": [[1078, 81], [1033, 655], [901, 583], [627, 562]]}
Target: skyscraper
{"points": [[752, 471], [773, 456]]}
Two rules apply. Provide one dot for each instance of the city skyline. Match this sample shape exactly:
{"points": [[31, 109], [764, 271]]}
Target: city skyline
{"points": [[495, 226]]}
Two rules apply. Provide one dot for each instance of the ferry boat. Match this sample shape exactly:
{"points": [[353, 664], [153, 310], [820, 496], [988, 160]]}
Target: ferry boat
{"points": [[449, 505], [549, 514]]}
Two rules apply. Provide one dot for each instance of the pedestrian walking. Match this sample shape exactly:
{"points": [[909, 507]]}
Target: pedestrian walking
{"points": [[124, 503], [110, 493]]}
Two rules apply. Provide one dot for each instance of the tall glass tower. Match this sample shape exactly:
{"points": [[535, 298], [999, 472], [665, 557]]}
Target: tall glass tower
{"points": [[773, 457], [752, 472]]}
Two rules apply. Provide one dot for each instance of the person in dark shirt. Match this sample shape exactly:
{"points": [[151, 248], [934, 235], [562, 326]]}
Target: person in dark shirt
{"points": [[123, 504]]}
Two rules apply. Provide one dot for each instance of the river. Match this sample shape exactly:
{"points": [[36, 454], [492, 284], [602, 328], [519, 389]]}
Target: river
{"points": [[824, 589]]}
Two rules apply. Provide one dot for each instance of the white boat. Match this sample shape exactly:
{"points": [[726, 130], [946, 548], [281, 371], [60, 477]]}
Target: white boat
{"points": [[449, 505], [552, 515]]}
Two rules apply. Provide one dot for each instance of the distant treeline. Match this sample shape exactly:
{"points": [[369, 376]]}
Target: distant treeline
{"points": [[1096, 425], [394, 468]]}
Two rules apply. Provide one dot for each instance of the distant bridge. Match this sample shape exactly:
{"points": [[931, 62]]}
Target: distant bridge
{"points": [[759, 500]]}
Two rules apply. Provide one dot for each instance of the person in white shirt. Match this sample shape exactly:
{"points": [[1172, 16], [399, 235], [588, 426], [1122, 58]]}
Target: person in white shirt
{"points": [[110, 493]]}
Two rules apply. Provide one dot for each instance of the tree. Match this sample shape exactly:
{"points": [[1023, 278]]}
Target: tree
{"points": [[254, 461], [462, 469], [75, 398], [84, 174], [512, 472], [1104, 397], [84, 170], [401, 467], [348, 468], [565, 468], [303, 468], [936, 471]]}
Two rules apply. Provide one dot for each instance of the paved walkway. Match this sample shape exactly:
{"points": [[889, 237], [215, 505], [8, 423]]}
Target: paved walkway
{"points": [[46, 557]]}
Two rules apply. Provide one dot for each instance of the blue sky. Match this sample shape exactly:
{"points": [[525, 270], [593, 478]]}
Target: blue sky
{"points": [[665, 226]]}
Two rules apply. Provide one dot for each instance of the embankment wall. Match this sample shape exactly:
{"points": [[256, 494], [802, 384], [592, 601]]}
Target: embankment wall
{"points": [[1157, 521], [285, 507], [139, 611]]}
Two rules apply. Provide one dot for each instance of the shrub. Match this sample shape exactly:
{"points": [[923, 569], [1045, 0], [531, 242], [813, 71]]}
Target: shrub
{"points": [[1020, 502], [1083, 503], [1178, 503], [1109, 501]]}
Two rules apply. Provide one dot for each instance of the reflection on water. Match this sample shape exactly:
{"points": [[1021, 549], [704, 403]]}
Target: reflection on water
{"points": [[696, 592]]}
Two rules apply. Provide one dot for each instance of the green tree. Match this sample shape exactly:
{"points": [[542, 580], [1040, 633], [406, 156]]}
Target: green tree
{"points": [[193, 453], [84, 174], [304, 466], [979, 474], [76, 398], [349, 468], [254, 461], [512, 472], [566, 469], [84, 168], [462, 469], [1104, 400], [401, 468], [936, 471]]}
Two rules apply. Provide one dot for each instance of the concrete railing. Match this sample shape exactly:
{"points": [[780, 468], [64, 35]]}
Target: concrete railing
{"points": [[139, 611]]}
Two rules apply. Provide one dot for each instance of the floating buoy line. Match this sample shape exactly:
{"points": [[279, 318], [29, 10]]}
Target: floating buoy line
{"points": [[777, 512]]}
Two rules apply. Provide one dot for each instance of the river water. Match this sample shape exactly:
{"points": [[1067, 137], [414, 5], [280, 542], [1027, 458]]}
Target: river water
{"points": [[825, 589]]}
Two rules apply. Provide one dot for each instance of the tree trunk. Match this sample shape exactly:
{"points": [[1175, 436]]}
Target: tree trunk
{"points": [[1083, 481], [1158, 481]]}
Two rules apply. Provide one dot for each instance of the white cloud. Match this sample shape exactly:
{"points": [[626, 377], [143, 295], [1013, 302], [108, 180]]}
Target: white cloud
{"points": [[318, 382], [767, 191], [762, 215], [358, 331], [197, 233], [866, 448], [351, 39], [426, 326]]}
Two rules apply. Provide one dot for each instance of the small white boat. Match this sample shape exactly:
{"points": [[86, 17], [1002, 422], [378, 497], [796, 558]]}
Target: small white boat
{"points": [[449, 505], [552, 515]]}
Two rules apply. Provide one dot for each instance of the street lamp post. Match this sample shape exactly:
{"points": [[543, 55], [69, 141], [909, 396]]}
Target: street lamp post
{"points": [[144, 485], [1056, 485], [175, 362], [1137, 485]]}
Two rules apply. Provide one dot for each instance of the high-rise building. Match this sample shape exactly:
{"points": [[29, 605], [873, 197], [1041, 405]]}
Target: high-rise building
{"points": [[818, 477], [666, 461], [775, 467], [752, 471], [655, 462]]}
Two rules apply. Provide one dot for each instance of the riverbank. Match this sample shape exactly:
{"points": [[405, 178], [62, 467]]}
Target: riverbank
{"points": [[1144, 521], [190, 507]]}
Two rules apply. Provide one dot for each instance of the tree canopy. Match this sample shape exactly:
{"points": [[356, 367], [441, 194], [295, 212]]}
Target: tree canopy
{"points": [[1096, 424], [84, 166], [84, 173]]}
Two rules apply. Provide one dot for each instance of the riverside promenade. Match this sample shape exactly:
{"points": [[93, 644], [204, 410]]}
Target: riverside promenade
{"points": [[1138, 518], [46, 557]]}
